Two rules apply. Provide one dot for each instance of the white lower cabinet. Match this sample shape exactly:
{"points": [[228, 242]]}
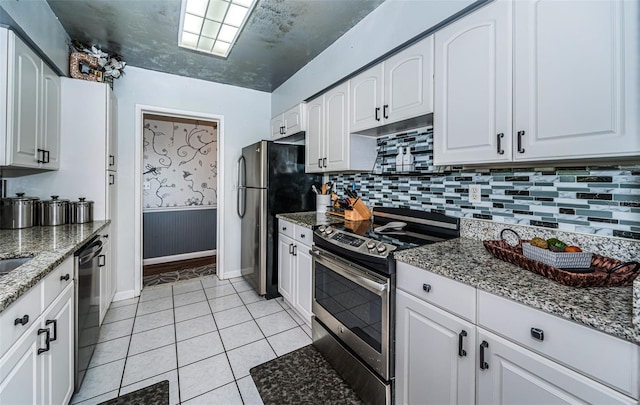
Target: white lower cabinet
{"points": [[436, 354], [511, 353], [512, 374], [107, 275], [294, 268], [39, 367]]}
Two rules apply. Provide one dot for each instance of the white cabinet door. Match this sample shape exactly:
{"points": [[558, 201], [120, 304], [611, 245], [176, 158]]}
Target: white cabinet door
{"points": [[515, 375], [314, 137], [294, 120], [277, 127], [472, 109], [25, 102], [303, 282], [576, 91], [20, 374], [336, 119], [105, 278], [366, 99], [285, 267], [59, 361], [52, 98], [408, 83], [435, 354], [112, 131]]}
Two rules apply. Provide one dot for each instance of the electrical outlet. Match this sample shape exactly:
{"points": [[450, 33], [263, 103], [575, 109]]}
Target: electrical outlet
{"points": [[475, 193], [146, 185]]}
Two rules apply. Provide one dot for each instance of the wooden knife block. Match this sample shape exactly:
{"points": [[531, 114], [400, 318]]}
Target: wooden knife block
{"points": [[360, 211]]}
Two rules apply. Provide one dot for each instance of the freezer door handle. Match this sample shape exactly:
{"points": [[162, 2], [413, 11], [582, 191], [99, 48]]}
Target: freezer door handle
{"points": [[241, 208]]}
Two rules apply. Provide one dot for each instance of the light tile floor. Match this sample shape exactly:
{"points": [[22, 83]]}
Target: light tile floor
{"points": [[202, 335]]}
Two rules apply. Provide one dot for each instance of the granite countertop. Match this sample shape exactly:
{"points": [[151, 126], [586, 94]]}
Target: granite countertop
{"points": [[48, 245], [311, 219], [607, 309]]}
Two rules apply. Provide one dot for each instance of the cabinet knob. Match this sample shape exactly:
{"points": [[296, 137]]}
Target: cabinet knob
{"points": [[537, 334], [64, 278], [284, 228], [302, 236], [426, 287], [22, 321]]}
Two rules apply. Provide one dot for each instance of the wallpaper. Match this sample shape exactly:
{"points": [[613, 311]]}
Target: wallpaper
{"points": [[602, 200], [180, 162]]}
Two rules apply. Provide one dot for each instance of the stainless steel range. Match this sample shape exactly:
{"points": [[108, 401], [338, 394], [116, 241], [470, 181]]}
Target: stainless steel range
{"points": [[354, 292]]}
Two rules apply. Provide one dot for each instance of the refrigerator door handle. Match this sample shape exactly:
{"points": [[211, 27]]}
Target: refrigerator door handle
{"points": [[242, 172]]}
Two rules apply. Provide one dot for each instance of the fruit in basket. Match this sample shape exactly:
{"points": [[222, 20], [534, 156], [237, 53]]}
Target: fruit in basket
{"points": [[572, 249], [539, 242], [556, 245]]}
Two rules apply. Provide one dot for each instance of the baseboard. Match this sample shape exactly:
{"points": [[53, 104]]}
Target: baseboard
{"points": [[175, 258], [124, 295]]}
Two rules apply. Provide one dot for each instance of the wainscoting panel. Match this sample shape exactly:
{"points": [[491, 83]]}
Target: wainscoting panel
{"points": [[168, 233]]}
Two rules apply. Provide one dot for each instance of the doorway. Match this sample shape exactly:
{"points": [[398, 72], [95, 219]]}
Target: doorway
{"points": [[178, 222]]}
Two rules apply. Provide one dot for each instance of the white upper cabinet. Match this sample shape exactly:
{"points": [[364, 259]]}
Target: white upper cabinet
{"points": [[573, 92], [31, 115], [288, 123], [399, 88], [472, 112], [576, 79], [329, 145]]}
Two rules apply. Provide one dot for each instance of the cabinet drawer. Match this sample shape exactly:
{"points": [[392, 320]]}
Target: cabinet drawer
{"points": [[286, 227], [29, 304], [606, 358], [303, 235], [443, 292], [57, 280]]}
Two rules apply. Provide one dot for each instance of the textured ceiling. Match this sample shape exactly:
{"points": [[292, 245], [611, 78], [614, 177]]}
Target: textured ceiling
{"points": [[280, 37]]}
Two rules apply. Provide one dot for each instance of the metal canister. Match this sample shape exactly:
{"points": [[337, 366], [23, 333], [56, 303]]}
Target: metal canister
{"points": [[18, 212], [54, 212], [81, 211]]}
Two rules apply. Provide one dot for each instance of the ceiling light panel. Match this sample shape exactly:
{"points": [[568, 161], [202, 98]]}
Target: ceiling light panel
{"points": [[213, 26]]}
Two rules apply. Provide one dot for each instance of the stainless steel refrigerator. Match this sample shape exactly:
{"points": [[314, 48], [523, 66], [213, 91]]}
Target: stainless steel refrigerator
{"points": [[271, 180]]}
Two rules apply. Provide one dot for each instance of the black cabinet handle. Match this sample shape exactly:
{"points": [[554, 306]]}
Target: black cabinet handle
{"points": [[105, 236], [102, 259], [47, 156], [302, 236], [112, 179], [295, 250], [520, 135], [385, 108], [499, 137], [290, 248], [483, 364], [377, 111], [537, 334], [320, 163], [324, 162], [22, 321], [55, 328], [284, 228], [112, 160], [426, 287], [41, 160], [461, 351], [65, 277], [46, 340]]}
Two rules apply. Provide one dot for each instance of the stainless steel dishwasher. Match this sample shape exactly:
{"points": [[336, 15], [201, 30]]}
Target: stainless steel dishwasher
{"points": [[89, 259]]}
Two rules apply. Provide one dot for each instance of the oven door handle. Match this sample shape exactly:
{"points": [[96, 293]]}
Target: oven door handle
{"points": [[378, 288]]}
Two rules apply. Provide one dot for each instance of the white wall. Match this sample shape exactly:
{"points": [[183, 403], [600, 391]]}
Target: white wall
{"points": [[390, 25], [246, 120]]}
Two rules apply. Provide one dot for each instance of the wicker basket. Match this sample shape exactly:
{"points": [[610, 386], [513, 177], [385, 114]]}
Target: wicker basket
{"points": [[563, 260], [603, 271]]}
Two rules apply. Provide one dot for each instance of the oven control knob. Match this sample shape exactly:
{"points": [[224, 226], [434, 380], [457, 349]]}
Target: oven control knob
{"points": [[381, 247], [321, 228], [328, 230], [371, 244]]}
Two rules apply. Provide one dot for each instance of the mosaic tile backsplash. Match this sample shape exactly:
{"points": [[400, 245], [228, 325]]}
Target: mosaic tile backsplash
{"points": [[595, 200]]}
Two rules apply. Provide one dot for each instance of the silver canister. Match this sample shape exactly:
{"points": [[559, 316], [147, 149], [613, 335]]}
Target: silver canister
{"points": [[81, 211], [18, 212], [54, 212]]}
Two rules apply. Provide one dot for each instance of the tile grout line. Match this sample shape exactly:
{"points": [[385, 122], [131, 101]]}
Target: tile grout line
{"points": [[175, 336], [126, 357]]}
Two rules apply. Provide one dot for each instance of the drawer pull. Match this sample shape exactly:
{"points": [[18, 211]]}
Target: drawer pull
{"points": [[426, 287], [284, 228], [102, 260], [483, 364], [302, 236], [290, 248], [537, 334], [55, 328], [65, 277], [47, 340], [22, 321], [461, 351]]}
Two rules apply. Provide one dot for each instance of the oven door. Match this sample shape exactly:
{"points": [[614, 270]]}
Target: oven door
{"points": [[354, 303]]}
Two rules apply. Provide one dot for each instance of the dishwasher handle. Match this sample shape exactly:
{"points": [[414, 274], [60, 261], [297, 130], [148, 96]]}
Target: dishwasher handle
{"points": [[90, 252]]}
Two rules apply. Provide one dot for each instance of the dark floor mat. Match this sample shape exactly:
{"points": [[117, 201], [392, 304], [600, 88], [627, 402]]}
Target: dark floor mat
{"points": [[156, 394], [179, 275], [301, 377]]}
